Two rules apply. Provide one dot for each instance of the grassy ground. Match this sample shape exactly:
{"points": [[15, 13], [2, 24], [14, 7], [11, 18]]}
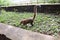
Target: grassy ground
{"points": [[44, 23]]}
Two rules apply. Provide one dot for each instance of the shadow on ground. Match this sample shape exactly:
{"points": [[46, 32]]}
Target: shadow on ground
{"points": [[3, 37]]}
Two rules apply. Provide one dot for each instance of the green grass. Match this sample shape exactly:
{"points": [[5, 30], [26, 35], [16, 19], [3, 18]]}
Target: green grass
{"points": [[44, 23]]}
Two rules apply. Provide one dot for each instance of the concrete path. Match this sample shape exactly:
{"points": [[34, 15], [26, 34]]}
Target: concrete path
{"points": [[15, 33]]}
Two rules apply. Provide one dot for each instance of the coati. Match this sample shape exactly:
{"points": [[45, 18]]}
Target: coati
{"points": [[30, 20]]}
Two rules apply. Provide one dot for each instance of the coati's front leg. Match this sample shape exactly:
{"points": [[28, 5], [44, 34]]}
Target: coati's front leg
{"points": [[31, 23]]}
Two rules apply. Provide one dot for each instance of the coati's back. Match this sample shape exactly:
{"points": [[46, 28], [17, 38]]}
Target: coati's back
{"points": [[24, 22]]}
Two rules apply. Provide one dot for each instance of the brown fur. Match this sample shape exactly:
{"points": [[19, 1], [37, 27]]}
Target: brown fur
{"points": [[30, 20]]}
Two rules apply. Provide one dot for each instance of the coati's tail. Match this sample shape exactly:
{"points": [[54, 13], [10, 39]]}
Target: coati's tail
{"points": [[35, 12]]}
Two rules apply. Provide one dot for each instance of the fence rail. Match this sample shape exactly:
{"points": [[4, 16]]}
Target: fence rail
{"points": [[33, 2]]}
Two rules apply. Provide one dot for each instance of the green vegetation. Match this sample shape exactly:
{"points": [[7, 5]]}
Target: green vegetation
{"points": [[4, 2], [46, 1], [44, 23], [54, 1]]}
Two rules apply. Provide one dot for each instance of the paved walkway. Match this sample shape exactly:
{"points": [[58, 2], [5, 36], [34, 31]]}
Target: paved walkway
{"points": [[15, 33]]}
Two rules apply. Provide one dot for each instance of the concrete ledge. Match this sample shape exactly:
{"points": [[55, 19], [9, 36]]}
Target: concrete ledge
{"points": [[15, 33]]}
